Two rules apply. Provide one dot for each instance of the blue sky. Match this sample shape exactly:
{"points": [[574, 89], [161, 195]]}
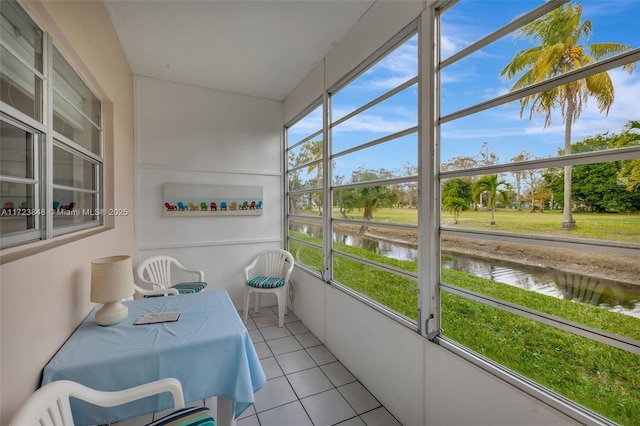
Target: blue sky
{"points": [[473, 80]]}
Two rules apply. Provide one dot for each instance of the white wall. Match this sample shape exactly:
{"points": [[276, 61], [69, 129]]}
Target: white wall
{"points": [[417, 381], [44, 289], [192, 135]]}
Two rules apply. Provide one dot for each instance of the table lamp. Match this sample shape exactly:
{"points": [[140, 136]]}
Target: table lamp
{"points": [[111, 281]]}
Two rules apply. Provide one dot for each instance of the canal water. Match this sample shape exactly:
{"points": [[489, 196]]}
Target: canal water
{"points": [[611, 295]]}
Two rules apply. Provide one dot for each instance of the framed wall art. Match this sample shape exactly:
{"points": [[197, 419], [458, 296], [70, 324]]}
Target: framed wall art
{"points": [[182, 200]]}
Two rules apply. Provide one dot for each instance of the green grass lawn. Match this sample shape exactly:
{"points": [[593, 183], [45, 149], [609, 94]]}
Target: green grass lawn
{"points": [[599, 226]]}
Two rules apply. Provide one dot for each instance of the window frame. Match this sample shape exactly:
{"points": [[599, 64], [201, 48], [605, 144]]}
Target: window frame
{"points": [[429, 179], [409, 31], [45, 138], [288, 192], [559, 402]]}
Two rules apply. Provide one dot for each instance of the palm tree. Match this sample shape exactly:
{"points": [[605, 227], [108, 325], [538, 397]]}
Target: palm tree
{"points": [[455, 206], [312, 151], [491, 185], [560, 34], [631, 168]]}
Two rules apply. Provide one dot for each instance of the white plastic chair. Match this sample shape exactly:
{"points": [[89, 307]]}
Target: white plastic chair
{"points": [[268, 272], [155, 272], [50, 404]]}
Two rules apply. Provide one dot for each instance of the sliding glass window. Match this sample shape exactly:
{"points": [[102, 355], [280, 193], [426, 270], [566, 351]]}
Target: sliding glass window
{"points": [[374, 179], [539, 145], [305, 190], [51, 161], [519, 139]]}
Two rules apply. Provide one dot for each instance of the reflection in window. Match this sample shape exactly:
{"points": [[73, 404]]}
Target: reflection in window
{"points": [[77, 111], [17, 148], [18, 181], [21, 61], [72, 170]]}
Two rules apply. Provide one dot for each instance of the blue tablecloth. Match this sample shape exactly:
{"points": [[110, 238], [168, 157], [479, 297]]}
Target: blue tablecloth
{"points": [[208, 350]]}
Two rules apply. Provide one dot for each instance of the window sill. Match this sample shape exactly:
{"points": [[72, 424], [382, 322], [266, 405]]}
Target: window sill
{"points": [[12, 254]]}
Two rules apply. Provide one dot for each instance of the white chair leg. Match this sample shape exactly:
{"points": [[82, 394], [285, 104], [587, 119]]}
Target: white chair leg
{"points": [[247, 295], [257, 308], [281, 308]]}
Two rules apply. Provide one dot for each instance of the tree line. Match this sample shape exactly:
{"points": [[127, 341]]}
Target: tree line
{"points": [[611, 187]]}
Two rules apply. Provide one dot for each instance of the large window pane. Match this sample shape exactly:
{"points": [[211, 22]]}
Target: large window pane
{"points": [[306, 152], [306, 177], [306, 255], [77, 111], [392, 203], [390, 159], [392, 115], [306, 203], [73, 171], [74, 208], [558, 240], [396, 292], [471, 20], [306, 126], [510, 137], [604, 205], [528, 56], [21, 34], [304, 234], [80, 204], [17, 152], [394, 69], [600, 290], [393, 243], [20, 87], [18, 208], [305, 242]]}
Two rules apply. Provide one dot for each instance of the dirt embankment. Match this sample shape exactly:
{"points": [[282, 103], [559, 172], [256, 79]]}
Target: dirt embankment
{"points": [[601, 265]]}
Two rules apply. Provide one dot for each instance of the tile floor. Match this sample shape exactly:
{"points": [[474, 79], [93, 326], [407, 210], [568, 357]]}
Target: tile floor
{"points": [[306, 384]]}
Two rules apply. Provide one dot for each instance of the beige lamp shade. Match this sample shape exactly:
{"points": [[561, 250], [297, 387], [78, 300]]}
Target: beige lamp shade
{"points": [[111, 281]]}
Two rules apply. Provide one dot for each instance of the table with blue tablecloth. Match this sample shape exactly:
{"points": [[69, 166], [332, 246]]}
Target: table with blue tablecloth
{"points": [[208, 349]]}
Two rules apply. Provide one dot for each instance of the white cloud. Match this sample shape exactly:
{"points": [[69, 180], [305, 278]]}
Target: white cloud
{"points": [[449, 46], [375, 123]]}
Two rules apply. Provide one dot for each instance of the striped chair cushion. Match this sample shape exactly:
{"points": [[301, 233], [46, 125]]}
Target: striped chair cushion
{"points": [[192, 416], [192, 287], [183, 288], [266, 282]]}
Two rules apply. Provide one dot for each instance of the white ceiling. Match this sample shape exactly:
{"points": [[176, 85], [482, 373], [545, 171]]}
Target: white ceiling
{"points": [[261, 48]]}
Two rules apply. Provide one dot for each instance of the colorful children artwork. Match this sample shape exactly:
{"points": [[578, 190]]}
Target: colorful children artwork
{"points": [[182, 200]]}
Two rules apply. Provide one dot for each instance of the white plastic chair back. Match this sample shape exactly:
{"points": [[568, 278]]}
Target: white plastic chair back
{"points": [[155, 273], [50, 404], [273, 263], [156, 270]]}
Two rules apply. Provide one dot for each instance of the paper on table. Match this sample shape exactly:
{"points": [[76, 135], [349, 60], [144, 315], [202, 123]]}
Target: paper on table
{"points": [[154, 318]]}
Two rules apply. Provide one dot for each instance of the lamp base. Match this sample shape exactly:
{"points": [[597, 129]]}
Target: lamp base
{"points": [[111, 313]]}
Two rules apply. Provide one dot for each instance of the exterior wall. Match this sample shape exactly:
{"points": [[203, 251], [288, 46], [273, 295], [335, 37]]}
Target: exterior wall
{"points": [[191, 135], [44, 293]]}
